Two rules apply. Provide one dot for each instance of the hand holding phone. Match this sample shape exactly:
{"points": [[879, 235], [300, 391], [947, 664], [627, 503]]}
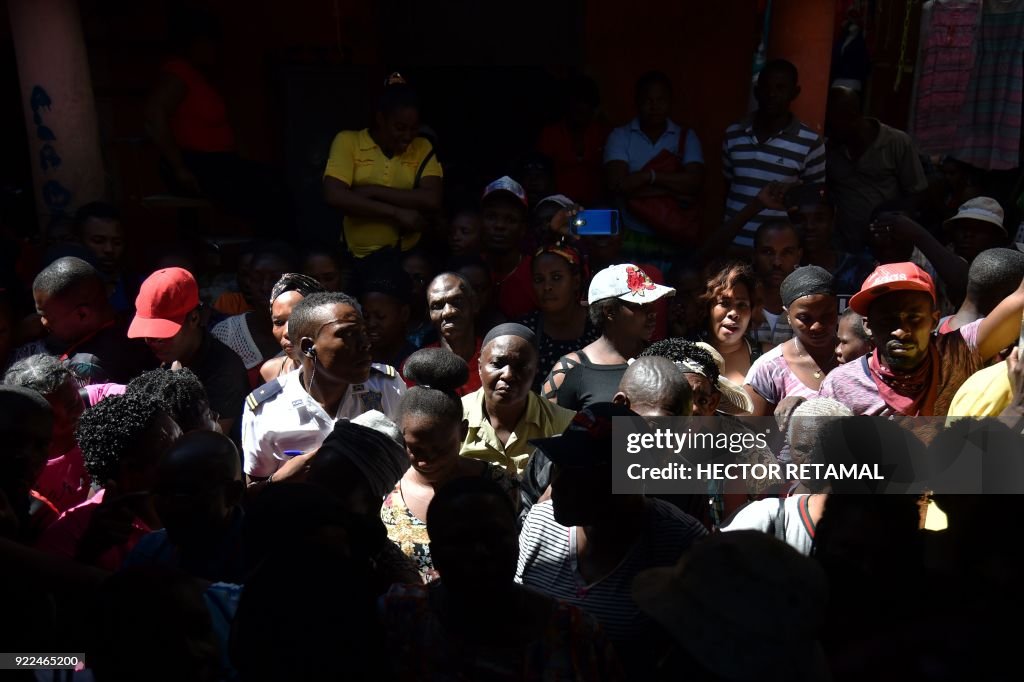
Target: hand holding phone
{"points": [[596, 222]]}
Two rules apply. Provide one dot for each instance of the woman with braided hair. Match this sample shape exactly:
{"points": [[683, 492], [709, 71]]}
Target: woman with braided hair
{"points": [[289, 290]]}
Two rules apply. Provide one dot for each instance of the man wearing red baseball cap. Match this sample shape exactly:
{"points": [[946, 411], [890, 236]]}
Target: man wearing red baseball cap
{"points": [[912, 371], [168, 318]]}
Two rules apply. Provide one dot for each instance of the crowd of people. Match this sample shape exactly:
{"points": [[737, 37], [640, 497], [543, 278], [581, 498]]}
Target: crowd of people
{"points": [[393, 456]]}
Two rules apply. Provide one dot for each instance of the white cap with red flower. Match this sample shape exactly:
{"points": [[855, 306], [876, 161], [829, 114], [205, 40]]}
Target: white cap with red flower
{"points": [[626, 282]]}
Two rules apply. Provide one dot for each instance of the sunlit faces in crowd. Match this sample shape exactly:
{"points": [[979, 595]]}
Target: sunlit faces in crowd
{"points": [[853, 339], [556, 283], [901, 324], [507, 367], [814, 320], [451, 304]]}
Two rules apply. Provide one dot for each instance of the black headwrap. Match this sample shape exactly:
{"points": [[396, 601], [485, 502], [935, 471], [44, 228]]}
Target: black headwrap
{"points": [[371, 442], [511, 329], [807, 281]]}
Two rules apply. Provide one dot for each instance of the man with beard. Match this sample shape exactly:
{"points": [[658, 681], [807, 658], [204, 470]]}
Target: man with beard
{"points": [[911, 372]]}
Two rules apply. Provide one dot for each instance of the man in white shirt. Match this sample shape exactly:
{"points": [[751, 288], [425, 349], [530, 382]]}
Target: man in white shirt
{"points": [[293, 415]]}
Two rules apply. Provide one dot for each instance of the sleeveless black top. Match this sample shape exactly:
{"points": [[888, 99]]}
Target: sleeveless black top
{"points": [[585, 383]]}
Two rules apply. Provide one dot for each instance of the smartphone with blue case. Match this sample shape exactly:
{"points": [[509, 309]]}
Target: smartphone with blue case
{"points": [[595, 223]]}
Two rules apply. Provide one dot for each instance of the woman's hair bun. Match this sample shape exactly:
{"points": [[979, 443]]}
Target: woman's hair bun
{"points": [[436, 368]]}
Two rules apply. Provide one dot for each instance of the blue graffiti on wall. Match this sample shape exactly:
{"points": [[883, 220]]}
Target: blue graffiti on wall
{"points": [[48, 157], [40, 99], [56, 197]]}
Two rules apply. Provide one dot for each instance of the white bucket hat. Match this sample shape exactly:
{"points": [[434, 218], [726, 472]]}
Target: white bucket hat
{"points": [[984, 209]]}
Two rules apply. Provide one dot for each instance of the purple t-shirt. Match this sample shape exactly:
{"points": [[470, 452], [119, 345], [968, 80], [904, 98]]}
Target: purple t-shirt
{"points": [[773, 380], [853, 386]]}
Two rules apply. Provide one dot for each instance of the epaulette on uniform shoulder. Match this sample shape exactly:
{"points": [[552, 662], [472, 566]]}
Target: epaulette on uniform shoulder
{"points": [[263, 394], [386, 370]]}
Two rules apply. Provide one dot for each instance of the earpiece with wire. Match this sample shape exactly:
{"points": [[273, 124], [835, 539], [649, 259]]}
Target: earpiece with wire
{"points": [[311, 353]]}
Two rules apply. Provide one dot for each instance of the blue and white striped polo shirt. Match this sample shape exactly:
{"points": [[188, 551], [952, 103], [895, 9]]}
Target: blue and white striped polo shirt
{"points": [[795, 154]]}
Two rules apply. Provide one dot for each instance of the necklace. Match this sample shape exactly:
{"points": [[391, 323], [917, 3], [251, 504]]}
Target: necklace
{"points": [[817, 373]]}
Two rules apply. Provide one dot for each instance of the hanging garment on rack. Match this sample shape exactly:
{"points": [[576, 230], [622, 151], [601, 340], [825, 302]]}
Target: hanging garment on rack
{"points": [[988, 134], [944, 64]]}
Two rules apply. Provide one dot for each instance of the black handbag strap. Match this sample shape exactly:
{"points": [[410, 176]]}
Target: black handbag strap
{"points": [[423, 167], [416, 184], [780, 520]]}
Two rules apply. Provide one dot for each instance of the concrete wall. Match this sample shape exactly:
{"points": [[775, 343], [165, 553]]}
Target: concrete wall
{"points": [[57, 103]]}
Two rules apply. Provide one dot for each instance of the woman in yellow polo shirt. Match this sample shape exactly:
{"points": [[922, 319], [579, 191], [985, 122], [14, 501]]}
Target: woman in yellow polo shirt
{"points": [[385, 177]]}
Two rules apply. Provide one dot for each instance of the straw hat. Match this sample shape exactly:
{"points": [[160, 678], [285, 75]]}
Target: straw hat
{"points": [[736, 401]]}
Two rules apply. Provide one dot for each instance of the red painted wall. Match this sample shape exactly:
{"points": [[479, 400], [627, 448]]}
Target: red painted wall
{"points": [[706, 49], [802, 32]]}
